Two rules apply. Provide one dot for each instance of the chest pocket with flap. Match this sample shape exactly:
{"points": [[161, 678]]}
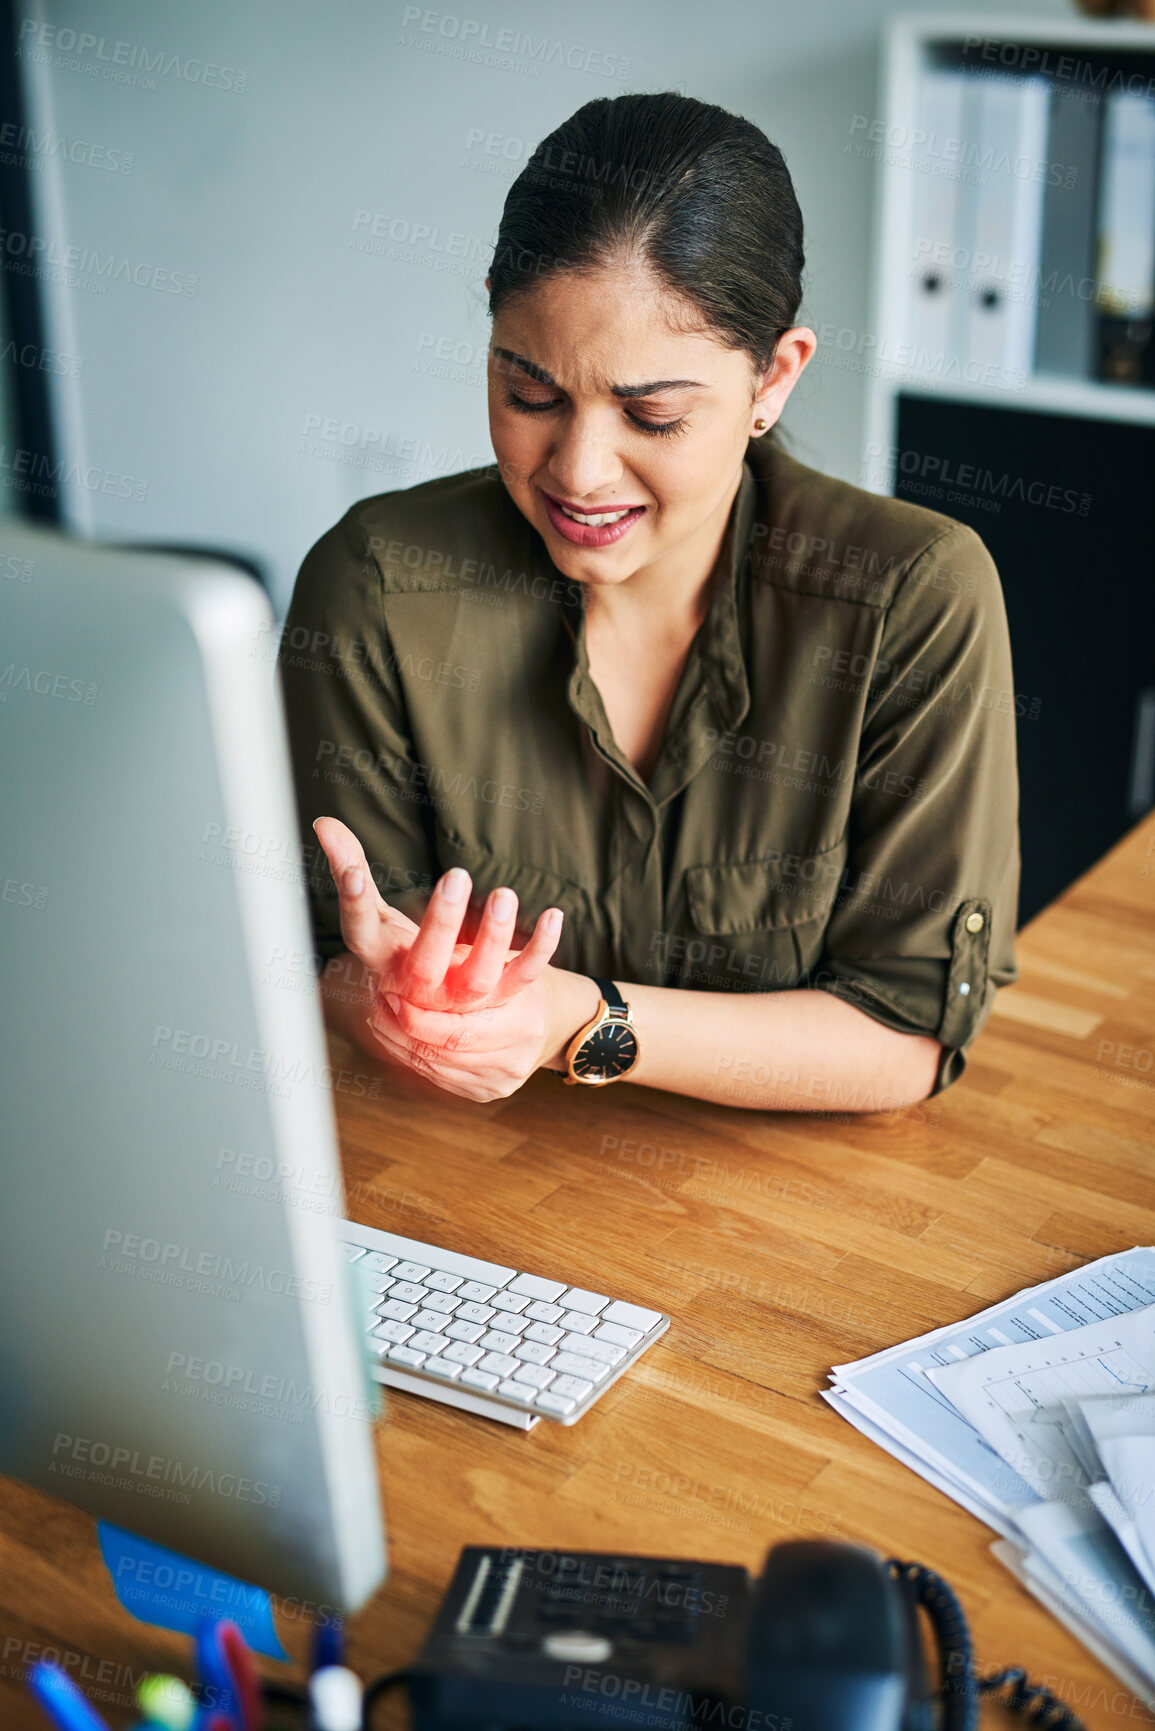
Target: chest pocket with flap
{"points": [[774, 893]]}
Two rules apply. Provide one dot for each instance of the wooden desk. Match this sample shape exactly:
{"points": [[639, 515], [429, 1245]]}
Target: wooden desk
{"points": [[780, 1244]]}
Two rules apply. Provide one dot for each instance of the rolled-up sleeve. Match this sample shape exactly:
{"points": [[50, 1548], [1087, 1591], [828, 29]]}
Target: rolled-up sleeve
{"points": [[349, 735], [922, 934]]}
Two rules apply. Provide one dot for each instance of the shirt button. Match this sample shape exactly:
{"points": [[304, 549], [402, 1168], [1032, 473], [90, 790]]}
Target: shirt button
{"points": [[974, 922]]}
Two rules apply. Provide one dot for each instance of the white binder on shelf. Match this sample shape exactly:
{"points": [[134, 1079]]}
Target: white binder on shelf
{"points": [[932, 324], [1002, 226], [1125, 258]]}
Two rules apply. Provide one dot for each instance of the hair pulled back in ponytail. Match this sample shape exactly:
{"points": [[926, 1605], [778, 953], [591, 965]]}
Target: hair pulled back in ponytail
{"points": [[697, 194]]}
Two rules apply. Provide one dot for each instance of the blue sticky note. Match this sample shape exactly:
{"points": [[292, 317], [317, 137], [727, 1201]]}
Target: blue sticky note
{"points": [[162, 1587]]}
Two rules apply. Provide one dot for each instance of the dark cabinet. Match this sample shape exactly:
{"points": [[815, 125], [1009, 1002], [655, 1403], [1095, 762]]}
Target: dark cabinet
{"points": [[1067, 508]]}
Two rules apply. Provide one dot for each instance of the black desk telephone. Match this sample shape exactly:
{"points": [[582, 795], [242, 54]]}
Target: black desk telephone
{"points": [[827, 1639]]}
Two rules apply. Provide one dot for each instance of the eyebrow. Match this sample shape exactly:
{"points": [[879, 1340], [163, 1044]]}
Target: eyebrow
{"points": [[627, 391]]}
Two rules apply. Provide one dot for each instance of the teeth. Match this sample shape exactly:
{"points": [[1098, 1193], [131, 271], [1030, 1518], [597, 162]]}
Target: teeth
{"points": [[597, 522]]}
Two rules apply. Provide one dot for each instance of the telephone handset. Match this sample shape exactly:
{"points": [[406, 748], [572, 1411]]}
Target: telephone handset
{"points": [[828, 1638], [833, 1640]]}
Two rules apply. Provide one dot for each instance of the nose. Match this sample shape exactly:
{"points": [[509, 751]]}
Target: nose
{"points": [[583, 463]]}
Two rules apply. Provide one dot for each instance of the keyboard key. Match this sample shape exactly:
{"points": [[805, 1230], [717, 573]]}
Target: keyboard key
{"points": [[406, 1355], [428, 1342], [498, 1361], [532, 1352], [430, 1319], [534, 1375], [576, 1323], [592, 1347], [619, 1335], [467, 1331], [380, 1263], [571, 1364], [442, 1367], [544, 1312], [352, 1252], [441, 1301], [505, 1319], [555, 1403], [480, 1379], [405, 1289], [379, 1282], [572, 1387], [534, 1287], [395, 1312], [631, 1316], [515, 1301], [496, 1341], [442, 1282], [581, 1344], [544, 1332], [433, 1256], [473, 1289], [589, 1303], [519, 1391], [474, 1312], [392, 1333], [410, 1271], [459, 1353]]}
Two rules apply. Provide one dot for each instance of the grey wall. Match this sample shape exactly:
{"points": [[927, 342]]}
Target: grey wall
{"points": [[254, 358]]}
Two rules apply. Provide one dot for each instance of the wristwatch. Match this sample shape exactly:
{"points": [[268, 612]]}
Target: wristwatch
{"points": [[606, 1049]]}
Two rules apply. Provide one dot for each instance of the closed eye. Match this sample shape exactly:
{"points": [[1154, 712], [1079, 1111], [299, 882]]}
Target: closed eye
{"points": [[526, 407]]}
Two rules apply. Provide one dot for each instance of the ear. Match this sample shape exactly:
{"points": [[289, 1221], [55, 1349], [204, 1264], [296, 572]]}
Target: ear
{"points": [[791, 355]]}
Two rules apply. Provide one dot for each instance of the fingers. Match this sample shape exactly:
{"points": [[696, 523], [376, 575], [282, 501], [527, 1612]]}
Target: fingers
{"points": [[342, 849], [396, 1051], [369, 926], [432, 1064], [531, 962], [422, 973], [444, 1032], [475, 979]]}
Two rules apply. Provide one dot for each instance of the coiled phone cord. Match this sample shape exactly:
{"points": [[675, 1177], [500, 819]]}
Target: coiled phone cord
{"points": [[961, 1689]]}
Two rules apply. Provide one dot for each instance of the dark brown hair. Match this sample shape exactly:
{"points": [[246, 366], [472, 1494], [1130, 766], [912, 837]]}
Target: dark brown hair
{"points": [[699, 194]]}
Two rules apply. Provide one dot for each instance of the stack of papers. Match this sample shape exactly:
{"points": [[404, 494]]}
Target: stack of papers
{"points": [[1038, 1415]]}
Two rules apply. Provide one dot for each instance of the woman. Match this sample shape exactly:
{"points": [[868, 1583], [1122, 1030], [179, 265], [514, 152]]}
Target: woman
{"points": [[715, 741]]}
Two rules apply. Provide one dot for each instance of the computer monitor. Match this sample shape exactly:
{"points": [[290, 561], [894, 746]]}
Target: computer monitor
{"points": [[178, 1345]]}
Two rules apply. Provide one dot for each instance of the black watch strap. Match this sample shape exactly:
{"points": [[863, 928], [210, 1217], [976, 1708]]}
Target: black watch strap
{"points": [[610, 993]]}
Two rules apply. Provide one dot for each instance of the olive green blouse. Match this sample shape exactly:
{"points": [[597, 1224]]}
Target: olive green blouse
{"points": [[835, 801]]}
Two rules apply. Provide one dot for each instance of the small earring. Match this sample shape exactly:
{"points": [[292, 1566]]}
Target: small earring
{"points": [[760, 426]]}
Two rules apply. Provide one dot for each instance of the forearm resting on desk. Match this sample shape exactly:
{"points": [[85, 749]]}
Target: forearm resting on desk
{"points": [[803, 1051], [790, 1051]]}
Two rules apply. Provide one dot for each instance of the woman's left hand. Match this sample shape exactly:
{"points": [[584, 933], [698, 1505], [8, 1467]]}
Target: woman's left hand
{"points": [[481, 1054]]}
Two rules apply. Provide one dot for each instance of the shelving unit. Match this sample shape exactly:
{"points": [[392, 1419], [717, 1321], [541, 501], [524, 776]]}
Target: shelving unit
{"points": [[914, 45], [1079, 575]]}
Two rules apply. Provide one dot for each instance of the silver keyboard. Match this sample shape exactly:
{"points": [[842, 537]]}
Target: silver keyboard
{"points": [[495, 1341]]}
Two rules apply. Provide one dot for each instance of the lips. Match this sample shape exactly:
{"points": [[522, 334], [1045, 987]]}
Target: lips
{"points": [[601, 528]]}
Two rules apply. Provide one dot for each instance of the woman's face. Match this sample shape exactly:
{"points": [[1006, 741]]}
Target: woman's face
{"points": [[607, 399]]}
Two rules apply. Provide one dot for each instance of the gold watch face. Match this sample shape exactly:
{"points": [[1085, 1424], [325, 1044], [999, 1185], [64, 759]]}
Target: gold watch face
{"points": [[609, 1052]]}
